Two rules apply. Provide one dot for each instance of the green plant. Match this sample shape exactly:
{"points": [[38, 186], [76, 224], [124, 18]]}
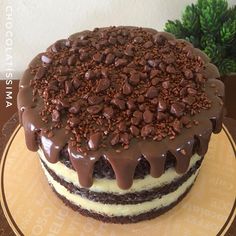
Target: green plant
{"points": [[211, 26]]}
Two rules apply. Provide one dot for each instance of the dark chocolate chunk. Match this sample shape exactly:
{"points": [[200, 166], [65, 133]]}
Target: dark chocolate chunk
{"points": [[147, 130], [109, 58], [177, 109], [127, 89], [151, 92], [108, 112], [119, 103], [94, 140], [102, 85], [148, 116], [134, 130], [55, 116], [94, 100], [95, 109]]}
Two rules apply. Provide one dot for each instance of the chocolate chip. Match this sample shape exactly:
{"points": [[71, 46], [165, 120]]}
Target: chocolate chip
{"points": [[58, 46], [74, 121], [134, 78], [131, 104], [166, 84], [169, 58], [147, 130], [170, 69], [191, 91], [122, 126], [94, 140], [188, 74], [121, 40], [127, 89], [177, 126], [89, 74], [162, 105], [138, 39], [61, 78], [177, 109], [189, 100], [94, 109], [68, 87], [134, 130], [153, 63], [108, 112], [109, 59], [129, 51], [148, 44], [115, 139], [121, 62], [124, 138], [46, 59], [119, 103], [138, 115], [162, 66], [102, 85], [112, 40], [161, 116], [148, 116], [183, 92], [94, 100], [158, 38], [104, 72], [185, 120], [76, 82], [72, 60], [97, 57], [75, 107], [153, 73], [155, 81], [151, 92], [63, 70], [40, 73], [84, 56], [55, 116], [140, 99]]}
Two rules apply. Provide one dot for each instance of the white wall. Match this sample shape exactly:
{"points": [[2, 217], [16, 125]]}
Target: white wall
{"points": [[38, 23]]}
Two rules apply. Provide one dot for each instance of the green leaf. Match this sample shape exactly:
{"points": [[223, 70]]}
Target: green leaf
{"points": [[228, 65], [211, 12], [228, 31], [229, 14], [176, 28], [215, 52], [211, 26], [194, 40], [207, 39], [190, 19]]}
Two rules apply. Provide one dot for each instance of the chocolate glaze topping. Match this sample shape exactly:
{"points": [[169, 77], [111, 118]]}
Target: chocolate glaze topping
{"points": [[121, 93]]}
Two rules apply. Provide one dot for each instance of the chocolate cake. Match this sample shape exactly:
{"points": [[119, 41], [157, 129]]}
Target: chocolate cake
{"points": [[121, 118]]}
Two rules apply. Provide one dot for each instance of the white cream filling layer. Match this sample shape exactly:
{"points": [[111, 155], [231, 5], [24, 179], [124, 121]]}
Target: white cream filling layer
{"points": [[120, 210], [110, 185]]}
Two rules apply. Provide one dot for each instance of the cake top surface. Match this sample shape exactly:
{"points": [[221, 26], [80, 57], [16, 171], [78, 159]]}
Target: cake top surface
{"points": [[113, 87], [108, 87]]}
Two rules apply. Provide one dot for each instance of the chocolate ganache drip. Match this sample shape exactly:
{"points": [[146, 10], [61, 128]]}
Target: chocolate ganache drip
{"points": [[121, 93]]}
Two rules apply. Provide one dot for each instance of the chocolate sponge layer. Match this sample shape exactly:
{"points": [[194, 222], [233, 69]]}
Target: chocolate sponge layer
{"points": [[128, 198], [122, 219]]}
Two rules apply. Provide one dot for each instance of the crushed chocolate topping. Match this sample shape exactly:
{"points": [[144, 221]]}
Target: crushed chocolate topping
{"points": [[105, 91], [129, 57]]}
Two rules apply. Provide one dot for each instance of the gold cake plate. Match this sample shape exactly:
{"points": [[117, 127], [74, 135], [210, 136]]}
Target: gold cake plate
{"points": [[32, 208]]}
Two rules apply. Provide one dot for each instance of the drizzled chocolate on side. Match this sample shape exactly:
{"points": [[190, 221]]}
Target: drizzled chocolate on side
{"points": [[121, 93]]}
